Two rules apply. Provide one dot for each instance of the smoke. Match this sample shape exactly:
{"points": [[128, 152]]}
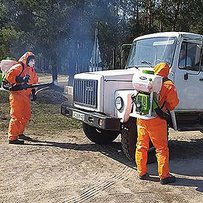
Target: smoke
{"points": [[84, 19], [79, 43]]}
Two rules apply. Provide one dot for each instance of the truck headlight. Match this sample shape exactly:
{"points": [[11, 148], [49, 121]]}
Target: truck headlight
{"points": [[119, 103]]}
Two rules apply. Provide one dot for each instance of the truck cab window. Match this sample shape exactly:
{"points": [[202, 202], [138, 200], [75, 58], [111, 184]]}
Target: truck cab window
{"points": [[151, 51], [189, 58]]}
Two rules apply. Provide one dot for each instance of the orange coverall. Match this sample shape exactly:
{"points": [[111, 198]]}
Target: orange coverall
{"points": [[20, 111], [156, 129]]}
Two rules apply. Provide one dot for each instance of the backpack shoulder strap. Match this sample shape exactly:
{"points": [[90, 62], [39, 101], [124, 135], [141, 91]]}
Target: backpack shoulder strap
{"points": [[166, 80]]}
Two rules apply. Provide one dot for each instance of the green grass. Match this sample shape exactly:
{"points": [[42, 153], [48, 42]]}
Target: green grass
{"points": [[46, 116], [4, 110]]}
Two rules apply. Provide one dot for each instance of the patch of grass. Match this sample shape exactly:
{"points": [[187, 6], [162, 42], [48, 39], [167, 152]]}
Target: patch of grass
{"points": [[4, 111], [4, 97], [46, 116]]}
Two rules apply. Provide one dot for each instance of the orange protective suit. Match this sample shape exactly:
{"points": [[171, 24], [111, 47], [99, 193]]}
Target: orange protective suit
{"points": [[156, 129], [20, 100]]}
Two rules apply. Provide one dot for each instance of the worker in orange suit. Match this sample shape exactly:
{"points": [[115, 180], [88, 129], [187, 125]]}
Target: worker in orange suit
{"points": [[20, 107], [155, 129]]}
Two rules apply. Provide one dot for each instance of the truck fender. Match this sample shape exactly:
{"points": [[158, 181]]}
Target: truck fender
{"points": [[127, 109]]}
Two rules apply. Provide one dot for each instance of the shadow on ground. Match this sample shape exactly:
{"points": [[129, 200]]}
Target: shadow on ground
{"points": [[186, 149], [112, 150], [179, 151]]}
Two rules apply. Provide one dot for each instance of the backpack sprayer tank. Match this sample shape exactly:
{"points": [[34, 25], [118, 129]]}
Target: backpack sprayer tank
{"points": [[5, 66], [147, 86]]}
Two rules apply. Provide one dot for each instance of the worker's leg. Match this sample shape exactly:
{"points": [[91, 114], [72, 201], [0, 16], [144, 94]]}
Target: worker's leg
{"points": [[26, 114], [15, 124], [142, 150], [158, 136]]}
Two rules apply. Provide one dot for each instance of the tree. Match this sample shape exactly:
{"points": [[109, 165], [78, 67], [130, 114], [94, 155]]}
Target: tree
{"points": [[61, 33]]}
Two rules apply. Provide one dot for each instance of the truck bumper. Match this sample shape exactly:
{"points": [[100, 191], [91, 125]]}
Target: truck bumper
{"points": [[94, 119]]}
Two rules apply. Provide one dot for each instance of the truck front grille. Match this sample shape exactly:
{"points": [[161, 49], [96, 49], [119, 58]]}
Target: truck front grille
{"points": [[85, 92]]}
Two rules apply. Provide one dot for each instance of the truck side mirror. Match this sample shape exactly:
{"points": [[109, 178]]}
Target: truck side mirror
{"points": [[185, 76]]}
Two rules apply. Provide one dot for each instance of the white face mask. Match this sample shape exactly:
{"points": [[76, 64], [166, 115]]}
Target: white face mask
{"points": [[31, 63]]}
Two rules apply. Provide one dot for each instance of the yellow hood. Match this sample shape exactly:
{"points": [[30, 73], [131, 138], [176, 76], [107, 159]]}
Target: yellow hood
{"points": [[161, 69]]}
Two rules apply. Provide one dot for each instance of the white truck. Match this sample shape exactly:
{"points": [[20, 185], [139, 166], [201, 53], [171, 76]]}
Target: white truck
{"points": [[103, 100]]}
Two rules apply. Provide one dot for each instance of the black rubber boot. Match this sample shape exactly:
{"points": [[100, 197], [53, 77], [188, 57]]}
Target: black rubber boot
{"points": [[144, 177], [16, 141], [170, 179], [24, 137]]}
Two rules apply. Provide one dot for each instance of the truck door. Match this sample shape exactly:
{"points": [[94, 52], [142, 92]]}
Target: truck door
{"points": [[189, 76]]}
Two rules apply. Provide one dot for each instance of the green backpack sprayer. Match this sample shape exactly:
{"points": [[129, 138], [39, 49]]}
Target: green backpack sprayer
{"points": [[145, 99], [147, 88]]}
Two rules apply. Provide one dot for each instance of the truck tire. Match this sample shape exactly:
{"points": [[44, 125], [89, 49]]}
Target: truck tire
{"points": [[129, 140], [99, 136]]}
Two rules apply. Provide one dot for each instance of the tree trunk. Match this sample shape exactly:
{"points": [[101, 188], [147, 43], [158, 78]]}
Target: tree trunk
{"points": [[54, 69]]}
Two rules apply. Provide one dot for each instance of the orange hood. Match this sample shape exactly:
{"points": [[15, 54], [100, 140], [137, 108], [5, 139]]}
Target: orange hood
{"points": [[25, 56], [161, 69]]}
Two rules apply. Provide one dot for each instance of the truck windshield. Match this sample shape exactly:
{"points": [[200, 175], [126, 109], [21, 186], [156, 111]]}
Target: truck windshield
{"points": [[151, 51]]}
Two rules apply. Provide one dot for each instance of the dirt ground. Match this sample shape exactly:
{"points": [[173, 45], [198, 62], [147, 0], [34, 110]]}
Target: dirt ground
{"points": [[68, 168]]}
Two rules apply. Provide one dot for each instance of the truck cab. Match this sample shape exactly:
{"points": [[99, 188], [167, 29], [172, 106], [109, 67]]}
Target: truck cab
{"points": [[101, 99], [183, 53]]}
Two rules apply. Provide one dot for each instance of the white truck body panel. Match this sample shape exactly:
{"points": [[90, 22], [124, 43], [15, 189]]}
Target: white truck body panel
{"points": [[179, 35], [124, 115], [110, 81], [189, 91]]}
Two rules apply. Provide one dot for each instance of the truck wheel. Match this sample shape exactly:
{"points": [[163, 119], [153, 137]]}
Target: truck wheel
{"points": [[99, 136], [129, 140]]}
